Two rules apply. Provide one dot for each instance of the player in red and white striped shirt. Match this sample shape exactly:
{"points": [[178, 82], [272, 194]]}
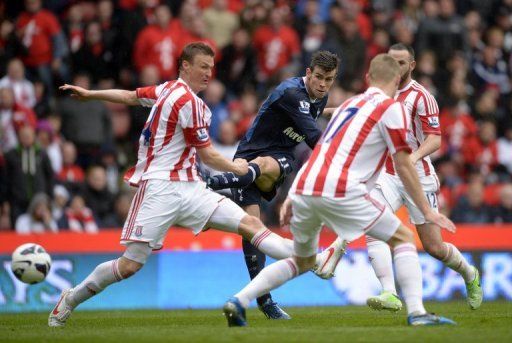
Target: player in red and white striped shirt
{"points": [[424, 136], [169, 191], [332, 189]]}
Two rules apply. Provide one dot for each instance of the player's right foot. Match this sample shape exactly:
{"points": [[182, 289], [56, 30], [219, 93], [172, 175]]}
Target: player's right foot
{"points": [[329, 258], [272, 311], [428, 319], [474, 291], [61, 311], [385, 301], [234, 312]]}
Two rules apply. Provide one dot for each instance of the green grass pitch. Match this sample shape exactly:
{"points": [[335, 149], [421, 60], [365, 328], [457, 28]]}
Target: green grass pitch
{"points": [[491, 323]]}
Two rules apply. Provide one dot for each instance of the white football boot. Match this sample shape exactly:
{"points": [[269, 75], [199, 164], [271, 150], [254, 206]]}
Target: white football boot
{"points": [[328, 259], [61, 311]]}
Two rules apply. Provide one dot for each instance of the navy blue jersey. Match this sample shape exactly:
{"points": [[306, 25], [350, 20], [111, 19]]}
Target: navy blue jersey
{"points": [[286, 118]]}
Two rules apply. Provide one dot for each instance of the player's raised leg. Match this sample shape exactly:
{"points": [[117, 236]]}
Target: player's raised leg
{"points": [[430, 235]]}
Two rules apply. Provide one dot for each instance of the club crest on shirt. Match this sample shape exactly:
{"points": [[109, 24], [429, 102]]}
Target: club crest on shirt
{"points": [[433, 122], [138, 230], [304, 106], [202, 134]]}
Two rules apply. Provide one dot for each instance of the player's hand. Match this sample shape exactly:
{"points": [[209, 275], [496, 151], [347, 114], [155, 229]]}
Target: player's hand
{"points": [[285, 213], [76, 92], [414, 158], [241, 166], [441, 220]]}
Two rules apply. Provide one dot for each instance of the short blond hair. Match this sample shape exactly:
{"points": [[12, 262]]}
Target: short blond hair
{"points": [[383, 69]]}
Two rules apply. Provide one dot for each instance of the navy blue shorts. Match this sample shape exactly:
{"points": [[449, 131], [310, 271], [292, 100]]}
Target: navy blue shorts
{"points": [[251, 195]]}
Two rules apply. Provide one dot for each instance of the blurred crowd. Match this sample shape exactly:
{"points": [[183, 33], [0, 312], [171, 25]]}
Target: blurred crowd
{"points": [[62, 160]]}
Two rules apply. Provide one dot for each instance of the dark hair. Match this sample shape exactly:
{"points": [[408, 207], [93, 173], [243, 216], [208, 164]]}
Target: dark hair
{"points": [[403, 47], [193, 49], [325, 60]]}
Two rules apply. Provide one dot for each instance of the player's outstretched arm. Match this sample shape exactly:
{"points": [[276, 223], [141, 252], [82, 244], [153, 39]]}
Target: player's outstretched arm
{"points": [[213, 159], [120, 96], [411, 181]]}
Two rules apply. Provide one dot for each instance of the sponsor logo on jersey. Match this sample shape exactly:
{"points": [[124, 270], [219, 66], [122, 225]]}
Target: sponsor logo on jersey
{"points": [[202, 134], [433, 122], [294, 135], [304, 106]]}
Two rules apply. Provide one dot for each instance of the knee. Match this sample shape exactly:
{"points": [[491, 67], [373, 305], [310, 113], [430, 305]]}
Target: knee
{"points": [[249, 226], [128, 267], [435, 249]]}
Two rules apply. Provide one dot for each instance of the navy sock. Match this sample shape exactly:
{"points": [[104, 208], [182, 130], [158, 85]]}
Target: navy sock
{"points": [[255, 262], [231, 180]]}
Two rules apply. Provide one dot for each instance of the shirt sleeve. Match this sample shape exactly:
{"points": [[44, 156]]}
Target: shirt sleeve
{"points": [[147, 96], [393, 127], [428, 112], [297, 109], [194, 122]]}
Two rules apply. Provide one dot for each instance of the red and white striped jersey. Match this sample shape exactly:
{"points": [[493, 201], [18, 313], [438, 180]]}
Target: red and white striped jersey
{"points": [[422, 109], [177, 125], [354, 146]]}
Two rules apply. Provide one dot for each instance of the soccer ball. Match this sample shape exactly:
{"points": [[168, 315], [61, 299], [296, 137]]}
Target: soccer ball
{"points": [[30, 263]]}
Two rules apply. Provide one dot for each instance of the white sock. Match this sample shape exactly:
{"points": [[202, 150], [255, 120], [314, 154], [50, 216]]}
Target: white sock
{"points": [[102, 276], [408, 275], [382, 263], [457, 262], [273, 245], [268, 279]]}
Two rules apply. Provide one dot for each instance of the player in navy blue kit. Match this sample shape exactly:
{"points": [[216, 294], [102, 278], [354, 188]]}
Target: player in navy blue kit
{"points": [[286, 118]]}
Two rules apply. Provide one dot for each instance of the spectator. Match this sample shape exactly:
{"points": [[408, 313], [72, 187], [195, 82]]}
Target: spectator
{"points": [[60, 202], [482, 152], [97, 196], [158, 45], [45, 43], [24, 91], [236, 69], [38, 218], [277, 45], [79, 217], [85, 123], [220, 22], [71, 174], [5, 208], [214, 98], [121, 209], [471, 207], [444, 32], [109, 162], [93, 57], [74, 28], [46, 141], [28, 170], [12, 116], [491, 70], [503, 212]]}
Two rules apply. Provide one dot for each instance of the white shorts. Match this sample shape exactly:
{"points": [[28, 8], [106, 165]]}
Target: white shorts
{"points": [[349, 217], [390, 189], [160, 204]]}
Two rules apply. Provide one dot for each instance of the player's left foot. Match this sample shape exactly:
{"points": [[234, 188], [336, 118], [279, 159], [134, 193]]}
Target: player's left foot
{"points": [[234, 312], [385, 301], [474, 291], [428, 319], [329, 258], [272, 311], [61, 311]]}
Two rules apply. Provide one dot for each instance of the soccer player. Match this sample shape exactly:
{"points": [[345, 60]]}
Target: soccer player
{"points": [[332, 188], [424, 138], [169, 189], [286, 118]]}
